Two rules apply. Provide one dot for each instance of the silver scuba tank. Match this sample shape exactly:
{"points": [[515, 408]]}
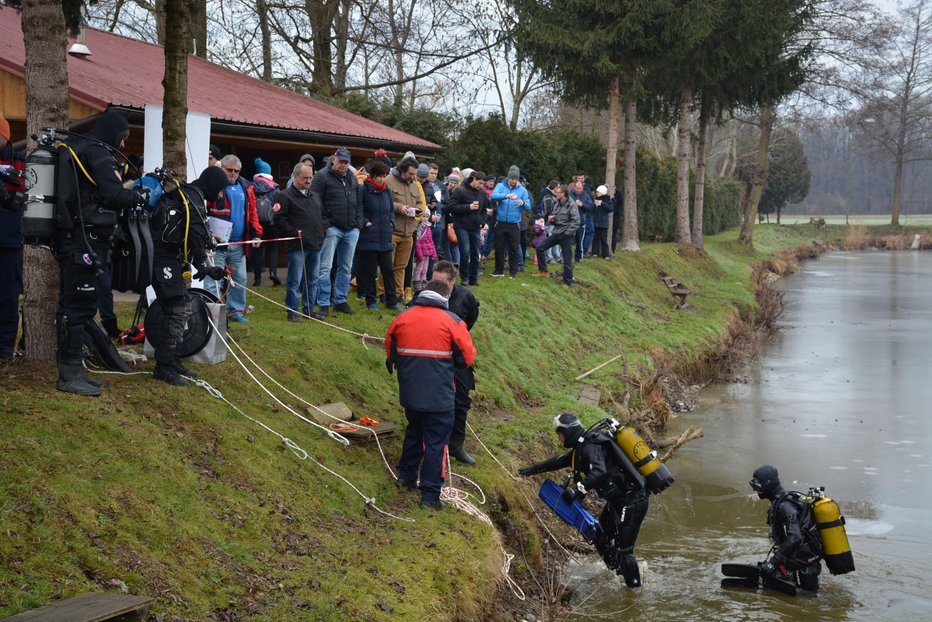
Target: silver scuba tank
{"points": [[39, 213]]}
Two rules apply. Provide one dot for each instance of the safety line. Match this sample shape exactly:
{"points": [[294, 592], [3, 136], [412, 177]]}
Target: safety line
{"points": [[256, 242]]}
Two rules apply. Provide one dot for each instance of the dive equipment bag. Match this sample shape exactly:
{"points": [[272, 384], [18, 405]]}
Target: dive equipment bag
{"points": [[657, 477], [573, 514]]}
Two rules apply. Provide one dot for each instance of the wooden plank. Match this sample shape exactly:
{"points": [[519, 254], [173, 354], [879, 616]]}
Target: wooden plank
{"points": [[590, 396], [90, 607], [363, 435]]}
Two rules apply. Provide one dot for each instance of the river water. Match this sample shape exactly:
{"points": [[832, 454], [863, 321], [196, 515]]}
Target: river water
{"points": [[841, 398]]}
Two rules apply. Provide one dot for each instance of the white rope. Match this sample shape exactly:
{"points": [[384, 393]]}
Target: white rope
{"points": [[298, 450]]}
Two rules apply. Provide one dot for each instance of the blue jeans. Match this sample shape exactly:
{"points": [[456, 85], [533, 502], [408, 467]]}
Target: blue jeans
{"points": [[235, 260], [301, 282], [469, 254], [565, 242], [426, 437], [453, 252], [340, 246]]}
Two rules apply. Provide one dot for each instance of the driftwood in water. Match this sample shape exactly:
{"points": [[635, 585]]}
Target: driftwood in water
{"points": [[673, 443]]}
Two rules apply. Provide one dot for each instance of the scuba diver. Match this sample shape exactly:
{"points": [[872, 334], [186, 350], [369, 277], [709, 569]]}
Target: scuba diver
{"points": [[792, 530], [594, 457], [90, 197], [179, 228]]}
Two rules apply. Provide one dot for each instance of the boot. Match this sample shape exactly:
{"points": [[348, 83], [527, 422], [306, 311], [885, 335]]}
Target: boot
{"points": [[460, 454], [275, 279], [71, 380], [167, 373], [182, 370], [93, 381]]}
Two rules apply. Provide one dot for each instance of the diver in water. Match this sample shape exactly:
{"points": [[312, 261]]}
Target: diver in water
{"points": [[593, 456], [792, 530]]}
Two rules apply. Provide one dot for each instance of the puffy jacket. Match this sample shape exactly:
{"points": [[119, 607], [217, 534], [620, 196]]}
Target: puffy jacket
{"points": [[463, 217], [10, 233], [600, 212], [340, 197], [296, 212], [405, 193], [508, 210], [565, 218], [379, 214], [221, 209], [424, 343]]}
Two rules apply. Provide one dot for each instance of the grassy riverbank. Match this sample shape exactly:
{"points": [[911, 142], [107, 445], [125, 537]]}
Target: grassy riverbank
{"points": [[175, 495]]}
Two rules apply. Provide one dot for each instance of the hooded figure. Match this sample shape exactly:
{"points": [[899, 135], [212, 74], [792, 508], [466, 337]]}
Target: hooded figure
{"points": [[593, 457], [798, 550]]}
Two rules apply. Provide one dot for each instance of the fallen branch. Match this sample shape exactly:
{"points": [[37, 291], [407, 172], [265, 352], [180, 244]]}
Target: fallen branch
{"points": [[674, 443], [595, 369]]}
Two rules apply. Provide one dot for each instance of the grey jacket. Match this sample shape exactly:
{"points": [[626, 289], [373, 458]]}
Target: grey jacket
{"points": [[566, 218]]}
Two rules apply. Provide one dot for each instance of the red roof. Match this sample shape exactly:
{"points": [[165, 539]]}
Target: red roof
{"points": [[128, 73]]}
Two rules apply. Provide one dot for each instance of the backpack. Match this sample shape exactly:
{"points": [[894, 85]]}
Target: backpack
{"points": [[811, 549], [265, 200]]}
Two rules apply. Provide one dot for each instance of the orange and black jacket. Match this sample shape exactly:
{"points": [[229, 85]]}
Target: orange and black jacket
{"points": [[425, 343]]}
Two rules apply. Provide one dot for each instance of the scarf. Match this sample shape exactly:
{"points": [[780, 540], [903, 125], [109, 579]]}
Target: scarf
{"points": [[380, 187]]}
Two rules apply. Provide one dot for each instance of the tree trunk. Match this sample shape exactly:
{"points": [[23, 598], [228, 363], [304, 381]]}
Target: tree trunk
{"points": [[262, 10], [683, 156], [159, 14], [611, 153], [899, 163], [629, 231], [699, 198], [760, 174], [198, 26], [175, 85], [341, 34], [321, 15], [46, 77]]}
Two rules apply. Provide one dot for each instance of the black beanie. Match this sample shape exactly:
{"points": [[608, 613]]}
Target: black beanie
{"points": [[112, 128], [211, 182]]}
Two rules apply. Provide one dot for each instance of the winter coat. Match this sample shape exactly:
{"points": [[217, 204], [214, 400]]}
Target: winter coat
{"points": [[10, 233], [600, 212], [585, 210], [424, 247], [424, 343], [340, 198], [540, 234], [508, 210], [405, 193], [463, 217], [295, 211], [379, 214], [566, 218]]}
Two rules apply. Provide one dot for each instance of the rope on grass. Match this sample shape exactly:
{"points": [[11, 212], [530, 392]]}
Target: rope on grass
{"points": [[297, 450]]}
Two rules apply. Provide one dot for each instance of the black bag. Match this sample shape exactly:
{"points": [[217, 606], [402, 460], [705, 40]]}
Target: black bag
{"points": [[265, 200]]}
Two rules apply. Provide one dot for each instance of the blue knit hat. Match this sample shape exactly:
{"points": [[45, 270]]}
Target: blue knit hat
{"points": [[262, 166]]}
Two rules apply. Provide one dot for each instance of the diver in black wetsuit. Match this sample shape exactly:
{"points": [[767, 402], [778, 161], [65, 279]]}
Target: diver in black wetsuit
{"points": [[593, 458], [792, 530]]}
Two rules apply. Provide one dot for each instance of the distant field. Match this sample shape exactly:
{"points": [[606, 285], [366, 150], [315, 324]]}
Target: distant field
{"points": [[916, 220]]}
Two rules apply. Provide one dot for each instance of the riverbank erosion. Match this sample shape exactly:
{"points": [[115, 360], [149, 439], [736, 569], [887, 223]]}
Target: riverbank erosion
{"points": [[173, 493]]}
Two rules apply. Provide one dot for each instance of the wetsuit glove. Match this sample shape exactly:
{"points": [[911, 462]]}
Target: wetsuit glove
{"points": [[214, 272]]}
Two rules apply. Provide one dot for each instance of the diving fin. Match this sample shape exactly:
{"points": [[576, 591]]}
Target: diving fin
{"points": [[740, 582], [744, 571], [779, 585], [748, 575]]}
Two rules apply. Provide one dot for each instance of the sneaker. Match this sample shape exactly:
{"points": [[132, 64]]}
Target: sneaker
{"points": [[497, 274], [435, 504], [168, 375], [512, 276], [542, 275], [249, 310], [374, 307], [322, 313], [397, 308], [293, 317], [343, 308], [238, 319], [406, 484]]}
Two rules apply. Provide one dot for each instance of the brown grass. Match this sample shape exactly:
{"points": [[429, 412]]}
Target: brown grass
{"points": [[856, 238]]}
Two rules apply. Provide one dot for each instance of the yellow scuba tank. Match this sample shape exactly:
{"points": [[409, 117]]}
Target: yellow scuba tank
{"points": [[657, 477], [831, 528]]}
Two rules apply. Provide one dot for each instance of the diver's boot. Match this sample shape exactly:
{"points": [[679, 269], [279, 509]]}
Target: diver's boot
{"points": [[167, 373], [182, 370], [628, 568], [93, 381], [110, 326], [460, 454], [71, 380]]}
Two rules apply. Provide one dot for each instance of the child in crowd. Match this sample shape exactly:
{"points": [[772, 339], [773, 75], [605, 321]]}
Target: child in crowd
{"points": [[424, 251]]}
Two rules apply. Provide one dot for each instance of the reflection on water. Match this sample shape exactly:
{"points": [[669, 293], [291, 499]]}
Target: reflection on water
{"points": [[841, 398]]}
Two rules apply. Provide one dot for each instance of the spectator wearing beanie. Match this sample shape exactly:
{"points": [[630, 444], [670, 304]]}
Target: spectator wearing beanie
{"points": [[512, 199], [266, 191]]}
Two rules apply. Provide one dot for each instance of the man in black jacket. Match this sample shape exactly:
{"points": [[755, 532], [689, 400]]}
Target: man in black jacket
{"points": [[298, 209], [470, 207], [798, 553], [565, 220], [180, 234], [338, 191], [463, 303], [596, 466], [90, 197]]}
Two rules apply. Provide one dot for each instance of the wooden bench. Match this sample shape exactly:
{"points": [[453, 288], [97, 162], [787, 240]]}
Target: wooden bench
{"points": [[677, 290], [90, 607]]}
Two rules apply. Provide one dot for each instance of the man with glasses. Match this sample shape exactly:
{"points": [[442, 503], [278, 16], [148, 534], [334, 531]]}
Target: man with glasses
{"points": [[409, 205], [237, 205]]}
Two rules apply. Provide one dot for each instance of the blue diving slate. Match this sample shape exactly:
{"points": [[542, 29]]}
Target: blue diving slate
{"points": [[574, 514]]}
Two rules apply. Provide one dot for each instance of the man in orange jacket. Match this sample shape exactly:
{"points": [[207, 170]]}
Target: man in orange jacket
{"points": [[424, 343]]}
